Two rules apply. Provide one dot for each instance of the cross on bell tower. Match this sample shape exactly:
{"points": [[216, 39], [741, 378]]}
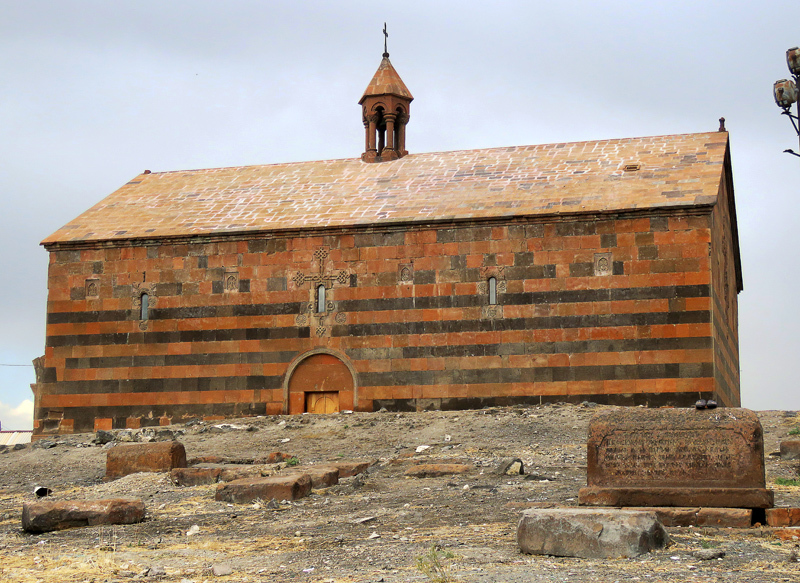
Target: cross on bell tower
{"points": [[385, 108]]}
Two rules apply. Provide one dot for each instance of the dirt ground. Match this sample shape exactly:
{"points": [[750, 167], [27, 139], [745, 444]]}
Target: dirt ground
{"points": [[371, 528]]}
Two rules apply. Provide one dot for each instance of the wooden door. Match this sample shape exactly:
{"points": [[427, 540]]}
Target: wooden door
{"points": [[321, 383], [322, 403]]}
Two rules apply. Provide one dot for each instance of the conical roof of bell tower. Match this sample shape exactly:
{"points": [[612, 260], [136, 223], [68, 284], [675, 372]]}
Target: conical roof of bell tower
{"points": [[386, 81]]}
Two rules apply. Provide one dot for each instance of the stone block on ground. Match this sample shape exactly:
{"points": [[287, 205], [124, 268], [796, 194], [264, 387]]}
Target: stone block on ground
{"points": [[676, 457], [207, 459], [790, 534], [289, 487], [783, 516], [437, 470], [322, 476], [50, 515], [230, 473], [725, 517], [349, 469], [276, 457], [590, 533], [161, 456], [653, 496], [790, 450], [194, 476], [695, 516]]}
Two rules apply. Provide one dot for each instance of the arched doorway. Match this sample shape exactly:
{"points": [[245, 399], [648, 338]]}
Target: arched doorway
{"points": [[319, 382]]}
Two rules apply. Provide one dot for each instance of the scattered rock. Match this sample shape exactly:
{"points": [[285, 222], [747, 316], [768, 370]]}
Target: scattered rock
{"points": [[708, 554], [44, 444], [364, 520], [156, 571], [437, 470], [790, 450], [590, 533], [47, 515], [511, 466], [221, 569], [126, 435], [103, 437], [150, 434], [540, 477]]}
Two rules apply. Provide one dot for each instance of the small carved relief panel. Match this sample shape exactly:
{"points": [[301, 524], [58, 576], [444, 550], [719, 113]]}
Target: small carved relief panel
{"points": [[92, 288], [405, 273], [230, 282], [492, 271], [491, 312], [603, 264]]}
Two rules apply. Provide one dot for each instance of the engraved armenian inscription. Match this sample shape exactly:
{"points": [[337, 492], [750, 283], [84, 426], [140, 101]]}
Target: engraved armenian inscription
{"points": [[657, 457]]}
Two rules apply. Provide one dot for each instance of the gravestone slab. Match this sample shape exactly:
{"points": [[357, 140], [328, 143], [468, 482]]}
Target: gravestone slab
{"points": [[50, 515], [676, 457], [160, 456]]}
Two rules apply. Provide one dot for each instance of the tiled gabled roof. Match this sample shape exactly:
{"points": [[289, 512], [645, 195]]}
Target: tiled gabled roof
{"points": [[580, 177]]}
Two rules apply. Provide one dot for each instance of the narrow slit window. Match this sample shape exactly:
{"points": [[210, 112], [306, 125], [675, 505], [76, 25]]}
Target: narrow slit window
{"points": [[492, 291], [320, 299], [143, 315]]}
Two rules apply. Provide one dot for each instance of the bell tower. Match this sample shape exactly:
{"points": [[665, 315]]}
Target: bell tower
{"points": [[385, 108]]}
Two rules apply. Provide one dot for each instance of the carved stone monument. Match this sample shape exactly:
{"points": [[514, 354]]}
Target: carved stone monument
{"points": [[676, 457]]}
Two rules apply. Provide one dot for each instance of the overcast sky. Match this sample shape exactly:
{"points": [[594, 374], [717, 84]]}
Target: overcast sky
{"points": [[94, 92]]}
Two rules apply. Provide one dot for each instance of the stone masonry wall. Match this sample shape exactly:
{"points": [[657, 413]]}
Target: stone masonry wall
{"points": [[615, 310], [725, 310]]}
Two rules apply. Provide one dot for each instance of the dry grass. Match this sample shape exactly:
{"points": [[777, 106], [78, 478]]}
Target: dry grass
{"points": [[49, 567]]}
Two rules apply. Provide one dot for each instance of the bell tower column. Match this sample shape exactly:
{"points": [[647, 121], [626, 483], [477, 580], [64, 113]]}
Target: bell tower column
{"points": [[371, 126], [389, 151]]}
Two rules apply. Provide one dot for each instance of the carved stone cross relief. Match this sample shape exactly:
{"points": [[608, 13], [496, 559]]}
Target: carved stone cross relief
{"points": [[308, 311]]}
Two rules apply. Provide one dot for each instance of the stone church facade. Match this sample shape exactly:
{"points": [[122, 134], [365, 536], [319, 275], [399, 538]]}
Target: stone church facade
{"points": [[604, 270]]}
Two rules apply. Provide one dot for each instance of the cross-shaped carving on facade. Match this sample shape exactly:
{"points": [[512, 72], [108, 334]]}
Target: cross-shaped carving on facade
{"points": [[311, 311], [321, 255]]}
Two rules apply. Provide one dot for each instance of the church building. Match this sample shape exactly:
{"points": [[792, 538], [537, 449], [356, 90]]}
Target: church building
{"points": [[604, 271]]}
